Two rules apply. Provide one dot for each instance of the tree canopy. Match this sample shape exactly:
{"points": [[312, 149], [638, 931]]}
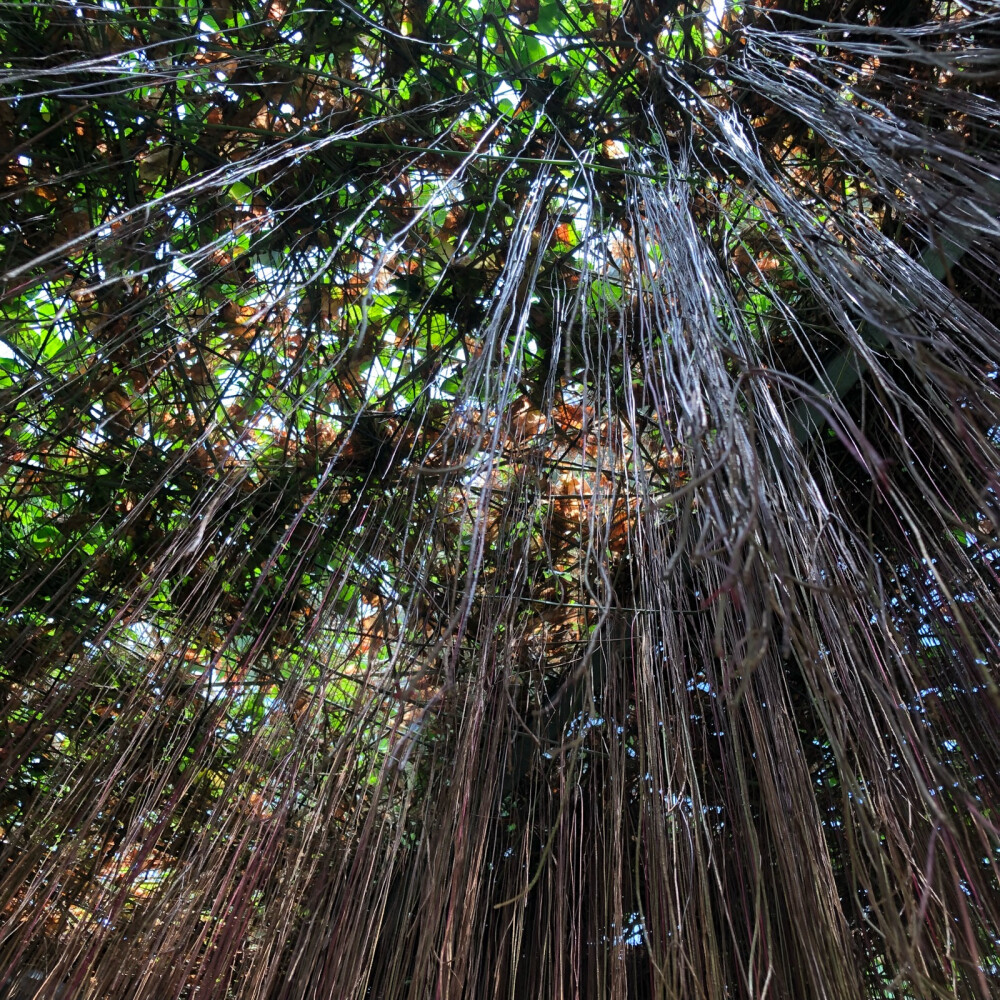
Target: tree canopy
{"points": [[499, 499]]}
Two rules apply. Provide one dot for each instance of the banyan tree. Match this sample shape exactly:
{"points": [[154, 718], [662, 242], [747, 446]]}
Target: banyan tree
{"points": [[499, 499]]}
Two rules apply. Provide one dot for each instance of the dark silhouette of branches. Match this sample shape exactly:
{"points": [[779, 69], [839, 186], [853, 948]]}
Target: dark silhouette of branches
{"points": [[499, 500]]}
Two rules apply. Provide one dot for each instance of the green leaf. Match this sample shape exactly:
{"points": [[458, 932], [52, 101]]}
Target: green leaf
{"points": [[241, 192], [550, 19], [46, 538]]}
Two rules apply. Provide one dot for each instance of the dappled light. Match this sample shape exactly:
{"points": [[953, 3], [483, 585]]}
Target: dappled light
{"points": [[499, 499]]}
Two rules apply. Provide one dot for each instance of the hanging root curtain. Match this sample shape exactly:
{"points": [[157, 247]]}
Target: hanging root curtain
{"points": [[499, 500]]}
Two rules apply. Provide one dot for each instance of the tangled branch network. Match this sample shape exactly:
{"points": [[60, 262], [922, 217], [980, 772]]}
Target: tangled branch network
{"points": [[499, 499]]}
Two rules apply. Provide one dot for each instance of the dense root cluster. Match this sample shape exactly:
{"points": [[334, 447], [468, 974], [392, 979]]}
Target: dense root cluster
{"points": [[499, 500]]}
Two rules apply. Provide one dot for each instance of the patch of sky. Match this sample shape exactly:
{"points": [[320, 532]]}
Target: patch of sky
{"points": [[927, 637]]}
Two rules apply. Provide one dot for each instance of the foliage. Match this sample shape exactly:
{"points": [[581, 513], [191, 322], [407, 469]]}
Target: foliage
{"points": [[499, 500]]}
